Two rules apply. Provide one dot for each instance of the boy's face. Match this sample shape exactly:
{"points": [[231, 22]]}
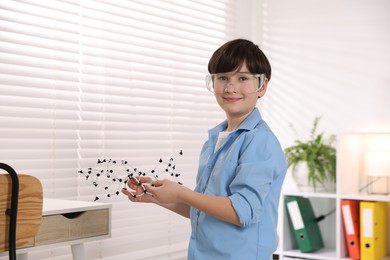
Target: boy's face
{"points": [[235, 102]]}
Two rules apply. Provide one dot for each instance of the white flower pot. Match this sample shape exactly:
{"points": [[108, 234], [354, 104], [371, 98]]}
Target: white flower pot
{"points": [[300, 173]]}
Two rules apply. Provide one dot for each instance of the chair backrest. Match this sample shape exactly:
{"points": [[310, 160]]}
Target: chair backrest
{"points": [[29, 217]]}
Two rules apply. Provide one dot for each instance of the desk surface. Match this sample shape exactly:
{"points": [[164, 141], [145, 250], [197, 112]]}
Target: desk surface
{"points": [[60, 206]]}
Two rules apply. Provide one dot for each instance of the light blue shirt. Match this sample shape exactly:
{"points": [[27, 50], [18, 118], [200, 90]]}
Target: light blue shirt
{"points": [[249, 168]]}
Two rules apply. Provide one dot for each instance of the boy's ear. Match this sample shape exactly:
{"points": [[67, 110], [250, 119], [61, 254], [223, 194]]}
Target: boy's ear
{"points": [[263, 89]]}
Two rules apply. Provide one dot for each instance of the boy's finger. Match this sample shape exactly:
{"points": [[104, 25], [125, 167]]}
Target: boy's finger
{"points": [[145, 179], [126, 192], [132, 185], [157, 183]]}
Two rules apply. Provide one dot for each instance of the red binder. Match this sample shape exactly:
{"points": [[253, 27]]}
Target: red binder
{"points": [[350, 215]]}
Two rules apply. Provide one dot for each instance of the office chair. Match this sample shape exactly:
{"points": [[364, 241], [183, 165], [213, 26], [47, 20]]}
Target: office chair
{"points": [[21, 200]]}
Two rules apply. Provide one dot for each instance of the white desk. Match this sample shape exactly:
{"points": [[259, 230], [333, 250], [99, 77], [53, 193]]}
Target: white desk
{"points": [[69, 222]]}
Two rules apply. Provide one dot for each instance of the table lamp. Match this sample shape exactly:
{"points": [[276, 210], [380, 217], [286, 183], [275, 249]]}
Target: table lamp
{"points": [[377, 170]]}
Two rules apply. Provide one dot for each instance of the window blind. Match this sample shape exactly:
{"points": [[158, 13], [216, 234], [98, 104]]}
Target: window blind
{"points": [[85, 80]]}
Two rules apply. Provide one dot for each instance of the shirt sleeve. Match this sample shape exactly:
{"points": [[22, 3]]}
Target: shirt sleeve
{"points": [[261, 162]]}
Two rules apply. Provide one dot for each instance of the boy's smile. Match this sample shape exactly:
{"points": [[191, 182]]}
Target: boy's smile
{"points": [[231, 99]]}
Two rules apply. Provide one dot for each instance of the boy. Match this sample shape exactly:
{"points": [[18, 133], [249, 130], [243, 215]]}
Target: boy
{"points": [[233, 209]]}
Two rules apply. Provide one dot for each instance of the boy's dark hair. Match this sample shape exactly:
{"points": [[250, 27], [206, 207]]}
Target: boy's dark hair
{"points": [[233, 54]]}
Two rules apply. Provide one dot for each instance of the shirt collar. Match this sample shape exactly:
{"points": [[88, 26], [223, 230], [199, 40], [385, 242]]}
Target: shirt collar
{"points": [[249, 123]]}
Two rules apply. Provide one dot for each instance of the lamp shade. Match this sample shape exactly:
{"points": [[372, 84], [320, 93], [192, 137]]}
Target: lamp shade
{"points": [[377, 163]]}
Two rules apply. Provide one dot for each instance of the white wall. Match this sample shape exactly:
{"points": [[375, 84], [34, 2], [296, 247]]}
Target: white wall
{"points": [[329, 58]]}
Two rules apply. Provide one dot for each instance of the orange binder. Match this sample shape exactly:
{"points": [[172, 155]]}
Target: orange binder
{"points": [[350, 215]]}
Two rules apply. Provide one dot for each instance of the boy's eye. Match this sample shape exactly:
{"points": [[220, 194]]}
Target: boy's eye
{"points": [[222, 77], [243, 78]]}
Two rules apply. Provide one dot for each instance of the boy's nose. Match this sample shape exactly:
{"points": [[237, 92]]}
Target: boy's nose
{"points": [[230, 87]]}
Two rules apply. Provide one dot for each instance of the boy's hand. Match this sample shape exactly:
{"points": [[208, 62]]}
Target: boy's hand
{"points": [[165, 191], [138, 191]]}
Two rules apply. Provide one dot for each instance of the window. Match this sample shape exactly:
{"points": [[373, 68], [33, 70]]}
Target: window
{"points": [[86, 80]]}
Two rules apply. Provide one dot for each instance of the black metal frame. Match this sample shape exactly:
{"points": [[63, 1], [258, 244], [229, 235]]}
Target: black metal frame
{"points": [[13, 211]]}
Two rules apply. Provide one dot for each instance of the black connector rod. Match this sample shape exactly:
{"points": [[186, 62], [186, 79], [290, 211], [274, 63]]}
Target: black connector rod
{"points": [[14, 210], [322, 217]]}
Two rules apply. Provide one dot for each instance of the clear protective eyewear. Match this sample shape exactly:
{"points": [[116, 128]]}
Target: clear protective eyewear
{"points": [[243, 82]]}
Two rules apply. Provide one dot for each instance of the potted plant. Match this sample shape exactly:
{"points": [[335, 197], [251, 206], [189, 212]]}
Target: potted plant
{"points": [[316, 156]]}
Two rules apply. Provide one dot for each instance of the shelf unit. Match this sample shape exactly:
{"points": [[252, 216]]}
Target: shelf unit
{"points": [[350, 180]]}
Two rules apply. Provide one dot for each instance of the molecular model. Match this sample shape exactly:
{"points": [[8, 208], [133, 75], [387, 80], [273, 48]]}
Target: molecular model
{"points": [[110, 176]]}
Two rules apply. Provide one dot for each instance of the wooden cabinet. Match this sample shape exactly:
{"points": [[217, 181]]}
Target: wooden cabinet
{"points": [[67, 227]]}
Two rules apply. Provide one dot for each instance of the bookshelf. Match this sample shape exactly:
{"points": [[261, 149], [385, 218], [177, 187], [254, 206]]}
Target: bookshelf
{"points": [[350, 181]]}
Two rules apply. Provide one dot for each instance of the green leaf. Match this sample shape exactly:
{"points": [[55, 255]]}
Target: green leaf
{"points": [[318, 153]]}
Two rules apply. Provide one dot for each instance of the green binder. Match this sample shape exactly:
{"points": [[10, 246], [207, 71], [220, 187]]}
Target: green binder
{"points": [[304, 224]]}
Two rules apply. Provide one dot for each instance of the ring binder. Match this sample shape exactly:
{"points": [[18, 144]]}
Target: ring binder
{"points": [[304, 223]]}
